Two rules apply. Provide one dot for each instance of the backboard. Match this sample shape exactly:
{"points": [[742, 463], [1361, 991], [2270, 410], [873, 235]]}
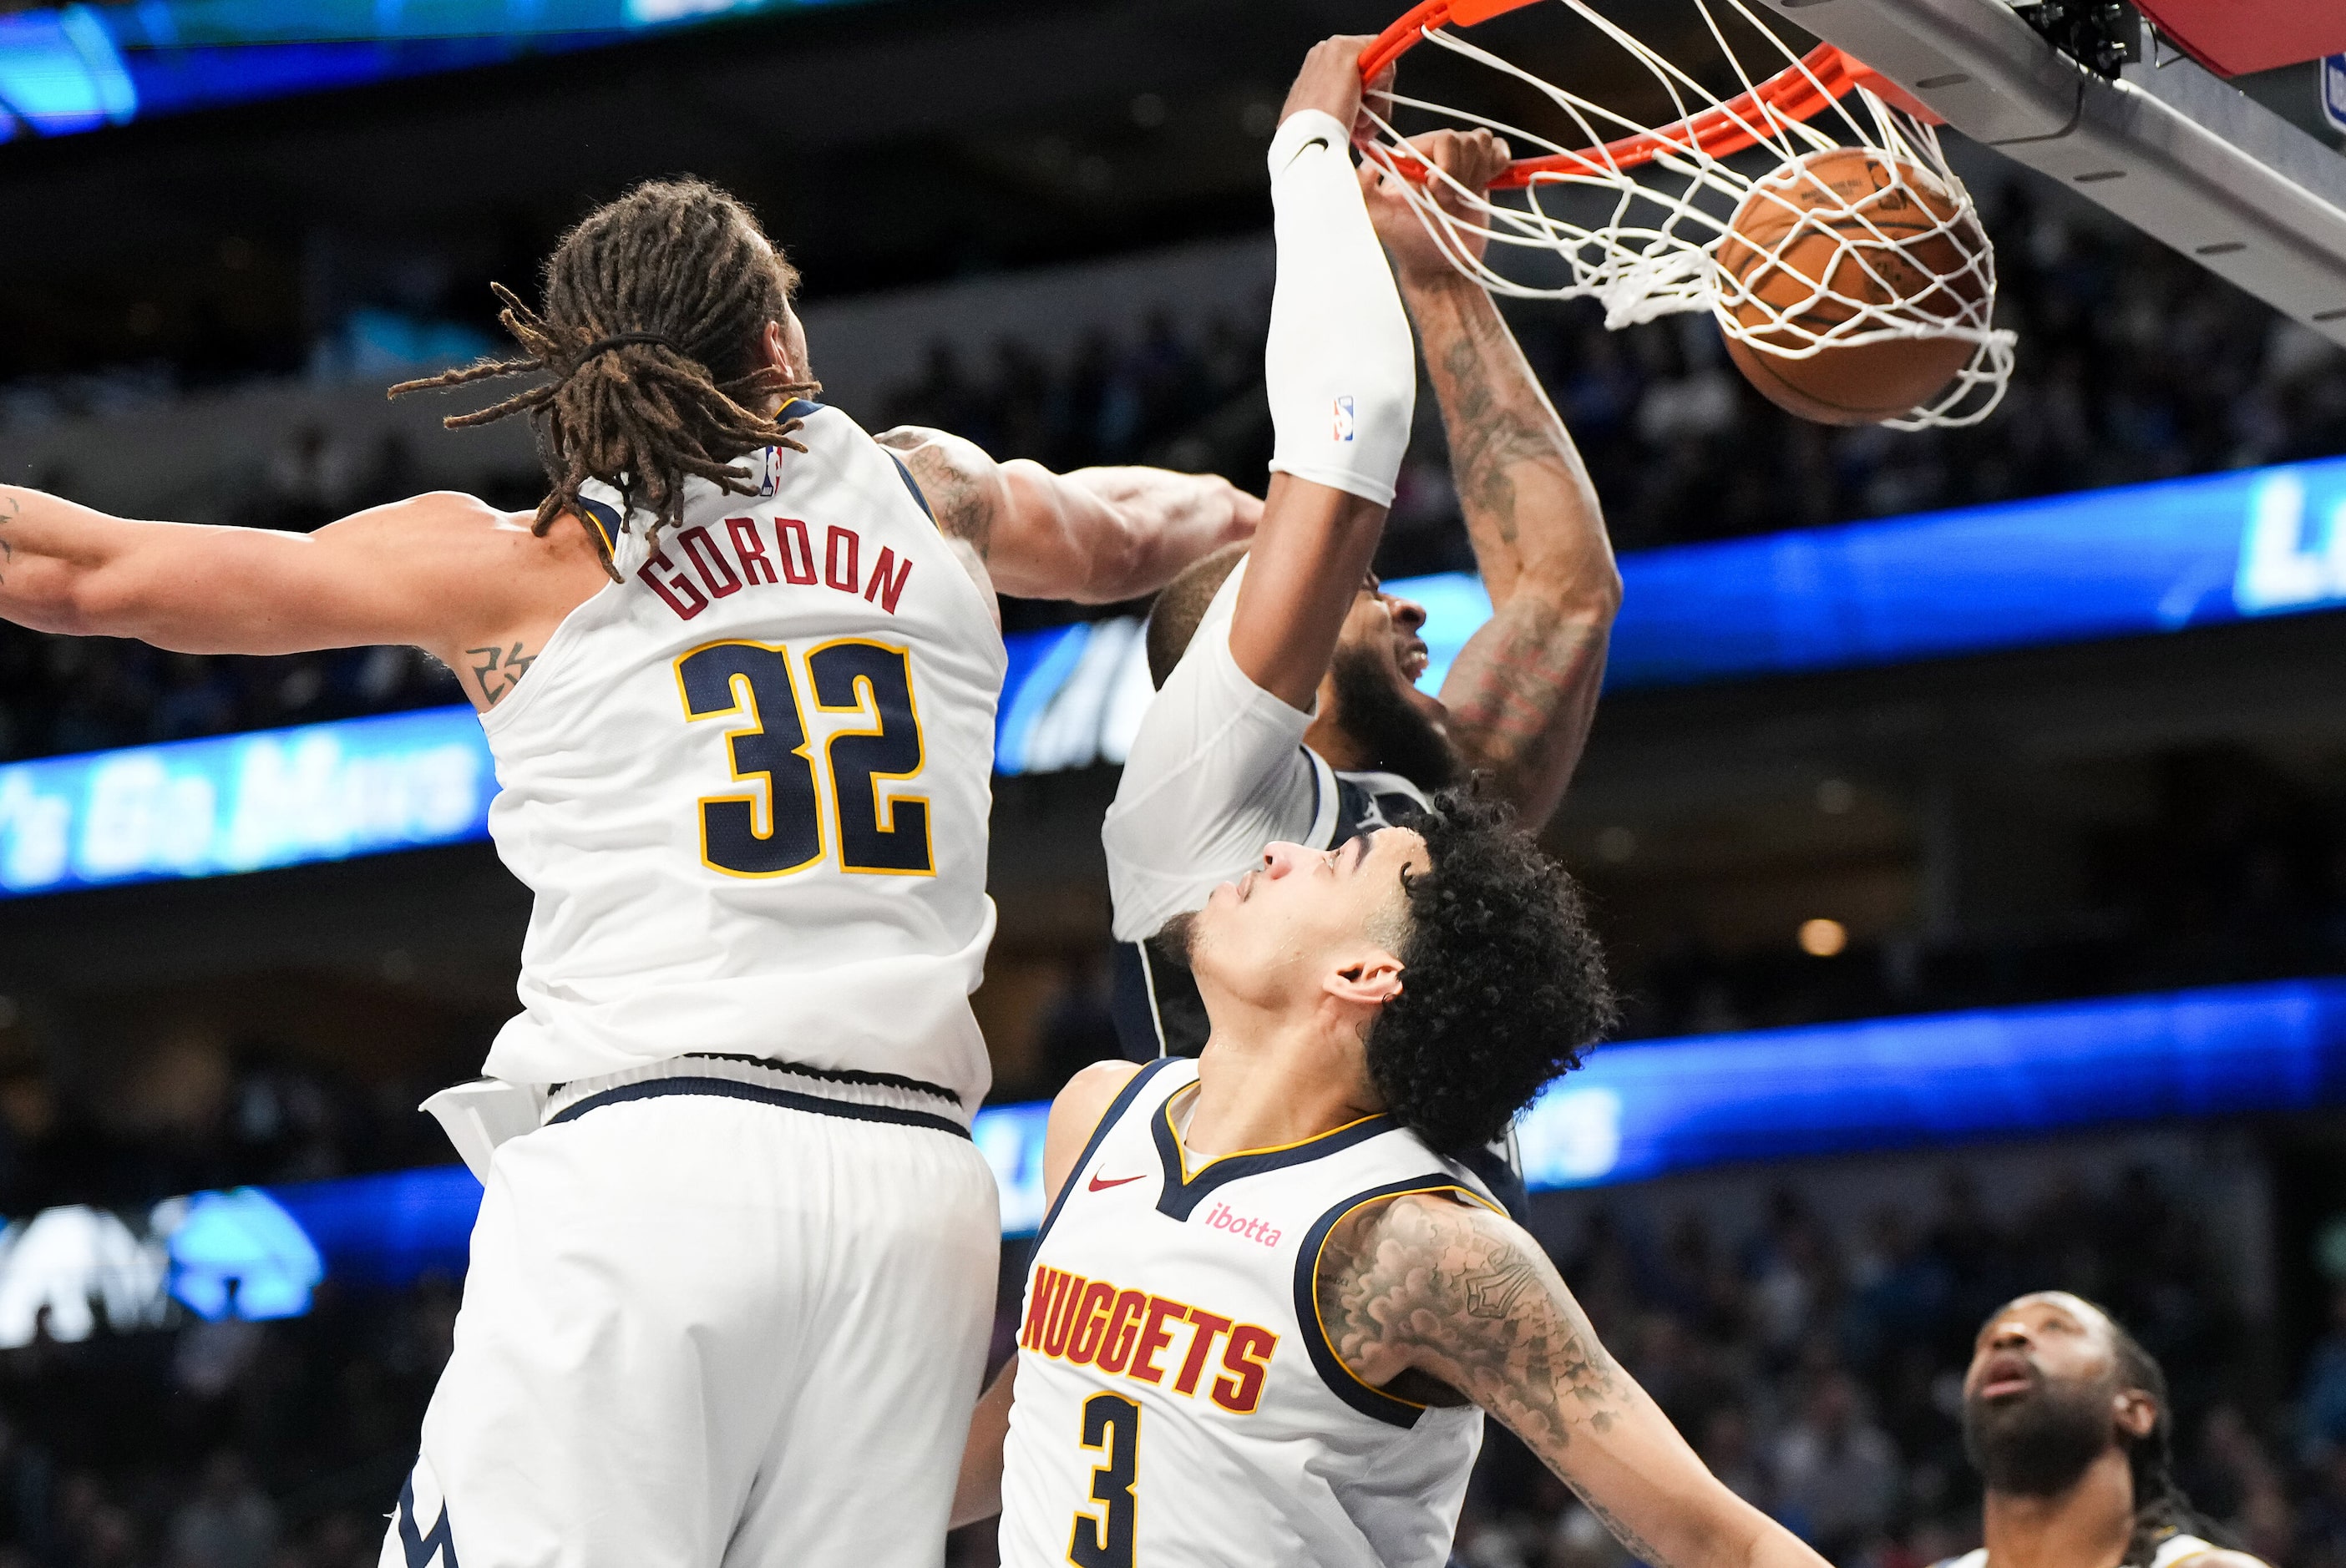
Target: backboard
{"points": [[2167, 144]]}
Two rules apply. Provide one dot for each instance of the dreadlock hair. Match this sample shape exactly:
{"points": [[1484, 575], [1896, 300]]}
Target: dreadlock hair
{"points": [[2161, 1507], [656, 308]]}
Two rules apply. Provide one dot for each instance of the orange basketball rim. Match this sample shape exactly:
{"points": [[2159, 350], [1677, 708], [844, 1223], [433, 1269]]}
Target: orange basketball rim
{"points": [[1797, 92]]}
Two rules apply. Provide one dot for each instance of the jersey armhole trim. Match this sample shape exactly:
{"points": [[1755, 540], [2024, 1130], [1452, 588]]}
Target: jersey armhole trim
{"points": [[920, 498], [1342, 1380], [1108, 1119]]}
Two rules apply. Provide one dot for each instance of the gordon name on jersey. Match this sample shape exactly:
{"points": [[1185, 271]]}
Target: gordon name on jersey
{"points": [[1177, 1402]]}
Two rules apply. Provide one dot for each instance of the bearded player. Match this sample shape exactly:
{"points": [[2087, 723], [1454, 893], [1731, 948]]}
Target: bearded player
{"points": [[729, 1292], [1265, 729], [2067, 1418], [1269, 1304]]}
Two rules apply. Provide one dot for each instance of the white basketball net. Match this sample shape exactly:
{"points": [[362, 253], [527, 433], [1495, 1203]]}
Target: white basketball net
{"points": [[1643, 241]]}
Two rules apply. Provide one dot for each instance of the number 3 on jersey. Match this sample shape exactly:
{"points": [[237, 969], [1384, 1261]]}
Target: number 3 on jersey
{"points": [[875, 834], [1112, 1425]]}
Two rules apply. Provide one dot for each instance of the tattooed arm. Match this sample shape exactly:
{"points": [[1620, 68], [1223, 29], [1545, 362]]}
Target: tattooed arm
{"points": [[1522, 692], [1424, 1295], [1096, 534], [470, 586]]}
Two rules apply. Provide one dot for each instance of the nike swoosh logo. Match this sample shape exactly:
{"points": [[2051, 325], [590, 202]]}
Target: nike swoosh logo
{"points": [[1319, 141], [1098, 1185]]}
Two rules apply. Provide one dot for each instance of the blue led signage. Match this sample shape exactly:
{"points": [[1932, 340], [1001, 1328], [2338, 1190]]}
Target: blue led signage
{"points": [[1648, 1109], [2135, 561], [2127, 562], [242, 802]]}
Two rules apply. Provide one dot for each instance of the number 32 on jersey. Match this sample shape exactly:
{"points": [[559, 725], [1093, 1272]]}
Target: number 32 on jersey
{"points": [[778, 828]]}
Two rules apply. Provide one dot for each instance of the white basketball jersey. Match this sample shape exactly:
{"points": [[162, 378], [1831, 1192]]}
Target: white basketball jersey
{"points": [[749, 785], [1176, 1401]]}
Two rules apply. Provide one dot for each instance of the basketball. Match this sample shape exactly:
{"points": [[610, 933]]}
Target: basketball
{"points": [[1839, 231]]}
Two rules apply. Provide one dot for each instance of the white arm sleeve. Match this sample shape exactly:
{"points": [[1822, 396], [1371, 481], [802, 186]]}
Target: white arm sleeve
{"points": [[1340, 366]]}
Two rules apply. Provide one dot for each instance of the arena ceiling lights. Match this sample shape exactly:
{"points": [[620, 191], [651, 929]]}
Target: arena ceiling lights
{"points": [[70, 68]]}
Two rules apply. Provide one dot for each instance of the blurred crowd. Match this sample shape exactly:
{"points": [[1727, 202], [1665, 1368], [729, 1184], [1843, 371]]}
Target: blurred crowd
{"points": [[2237, 872], [219, 1445], [180, 1117], [2134, 364]]}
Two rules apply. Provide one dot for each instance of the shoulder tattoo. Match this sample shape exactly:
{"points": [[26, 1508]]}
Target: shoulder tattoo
{"points": [[958, 491], [1432, 1285]]}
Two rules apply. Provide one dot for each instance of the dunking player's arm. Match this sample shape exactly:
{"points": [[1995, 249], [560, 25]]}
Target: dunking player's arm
{"points": [[1522, 692], [1424, 1290], [475, 588]]}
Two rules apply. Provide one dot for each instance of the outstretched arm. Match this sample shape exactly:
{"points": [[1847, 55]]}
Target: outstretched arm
{"points": [[1522, 692], [469, 585], [1454, 1292], [1096, 535], [395, 574]]}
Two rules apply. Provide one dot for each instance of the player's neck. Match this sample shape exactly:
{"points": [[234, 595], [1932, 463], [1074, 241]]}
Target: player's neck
{"points": [[1267, 1090], [2085, 1526], [1328, 740]]}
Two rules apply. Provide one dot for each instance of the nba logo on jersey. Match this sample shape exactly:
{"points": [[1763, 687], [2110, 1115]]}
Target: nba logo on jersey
{"points": [[1345, 423], [2333, 89]]}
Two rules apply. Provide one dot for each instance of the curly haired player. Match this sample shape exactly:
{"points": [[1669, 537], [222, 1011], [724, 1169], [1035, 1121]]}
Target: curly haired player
{"points": [[1270, 1305], [735, 1260]]}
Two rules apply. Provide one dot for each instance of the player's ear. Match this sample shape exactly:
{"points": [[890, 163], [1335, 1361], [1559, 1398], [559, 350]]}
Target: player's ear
{"points": [[774, 347], [2136, 1413], [1369, 979]]}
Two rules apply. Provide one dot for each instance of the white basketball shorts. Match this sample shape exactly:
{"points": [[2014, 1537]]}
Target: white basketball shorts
{"points": [[729, 1326]]}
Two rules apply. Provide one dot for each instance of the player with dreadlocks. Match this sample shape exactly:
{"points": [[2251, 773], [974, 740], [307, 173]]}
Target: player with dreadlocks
{"points": [[734, 1263], [2067, 1418]]}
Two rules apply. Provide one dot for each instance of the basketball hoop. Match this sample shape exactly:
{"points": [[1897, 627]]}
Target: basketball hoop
{"points": [[1637, 213]]}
